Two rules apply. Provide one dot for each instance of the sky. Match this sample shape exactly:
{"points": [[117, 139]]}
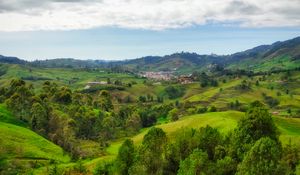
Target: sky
{"points": [[126, 29]]}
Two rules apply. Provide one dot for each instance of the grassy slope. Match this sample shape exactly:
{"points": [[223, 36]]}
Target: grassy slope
{"points": [[278, 62], [289, 129], [22, 144], [221, 99], [62, 76], [6, 117]]}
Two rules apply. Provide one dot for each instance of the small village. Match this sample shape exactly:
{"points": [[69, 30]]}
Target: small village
{"points": [[167, 76], [155, 76]]}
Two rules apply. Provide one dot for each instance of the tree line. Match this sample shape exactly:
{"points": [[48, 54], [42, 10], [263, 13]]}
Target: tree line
{"points": [[253, 147]]}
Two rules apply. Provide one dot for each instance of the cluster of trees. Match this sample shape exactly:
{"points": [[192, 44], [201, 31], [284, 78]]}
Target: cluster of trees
{"points": [[244, 86], [174, 91], [272, 102], [253, 147], [205, 80], [66, 117]]}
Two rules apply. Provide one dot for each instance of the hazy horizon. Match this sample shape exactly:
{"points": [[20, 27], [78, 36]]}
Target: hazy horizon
{"points": [[121, 29]]}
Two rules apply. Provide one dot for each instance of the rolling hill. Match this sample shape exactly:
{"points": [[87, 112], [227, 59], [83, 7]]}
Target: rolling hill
{"points": [[277, 56]]}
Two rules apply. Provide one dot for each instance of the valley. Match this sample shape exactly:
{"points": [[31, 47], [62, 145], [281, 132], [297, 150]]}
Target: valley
{"points": [[122, 117]]}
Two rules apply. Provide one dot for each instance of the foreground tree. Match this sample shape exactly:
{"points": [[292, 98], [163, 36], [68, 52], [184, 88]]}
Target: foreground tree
{"points": [[256, 124], [196, 163], [125, 157], [263, 158], [150, 158], [209, 138]]}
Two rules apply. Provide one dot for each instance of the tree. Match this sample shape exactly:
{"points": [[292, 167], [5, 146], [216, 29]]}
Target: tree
{"points": [[173, 114], [103, 168], [133, 123], [125, 157], [225, 166], [142, 99], [105, 101], [196, 163], [174, 91], [19, 100], [64, 95], [290, 157], [148, 117], [185, 142], [209, 139], [256, 124], [152, 149], [263, 158], [213, 109], [108, 81], [272, 102], [39, 118]]}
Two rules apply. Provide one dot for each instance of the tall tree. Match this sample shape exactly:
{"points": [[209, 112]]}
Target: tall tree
{"points": [[39, 118], [263, 158], [256, 124], [209, 139], [151, 151], [196, 163], [125, 157]]}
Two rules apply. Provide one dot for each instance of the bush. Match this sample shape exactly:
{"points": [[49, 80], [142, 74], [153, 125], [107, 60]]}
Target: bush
{"points": [[174, 91], [173, 114], [272, 102], [213, 109], [202, 110]]}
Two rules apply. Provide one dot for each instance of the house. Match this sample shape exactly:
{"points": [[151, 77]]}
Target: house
{"points": [[162, 75], [94, 83], [97, 83], [185, 79]]}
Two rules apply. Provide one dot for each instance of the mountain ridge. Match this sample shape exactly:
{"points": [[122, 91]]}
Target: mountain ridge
{"points": [[182, 61]]}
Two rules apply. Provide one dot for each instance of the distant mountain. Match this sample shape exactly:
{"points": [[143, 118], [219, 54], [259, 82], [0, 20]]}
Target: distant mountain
{"points": [[11, 60], [279, 55], [65, 63], [183, 62]]}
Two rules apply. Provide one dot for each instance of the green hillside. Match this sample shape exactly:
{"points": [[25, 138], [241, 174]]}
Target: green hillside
{"points": [[21, 147], [277, 56], [225, 122]]}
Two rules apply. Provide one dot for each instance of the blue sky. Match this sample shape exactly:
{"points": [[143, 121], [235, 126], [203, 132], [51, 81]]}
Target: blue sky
{"points": [[114, 43], [121, 29]]}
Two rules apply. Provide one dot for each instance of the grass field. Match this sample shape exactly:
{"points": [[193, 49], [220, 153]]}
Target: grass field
{"points": [[19, 144], [7, 117], [74, 78], [33, 146]]}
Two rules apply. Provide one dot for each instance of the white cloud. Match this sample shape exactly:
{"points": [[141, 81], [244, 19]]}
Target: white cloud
{"points": [[28, 15]]}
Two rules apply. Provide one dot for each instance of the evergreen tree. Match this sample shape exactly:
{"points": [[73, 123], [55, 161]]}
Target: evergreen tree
{"points": [[151, 156], [256, 124], [125, 157], [196, 163], [263, 158]]}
